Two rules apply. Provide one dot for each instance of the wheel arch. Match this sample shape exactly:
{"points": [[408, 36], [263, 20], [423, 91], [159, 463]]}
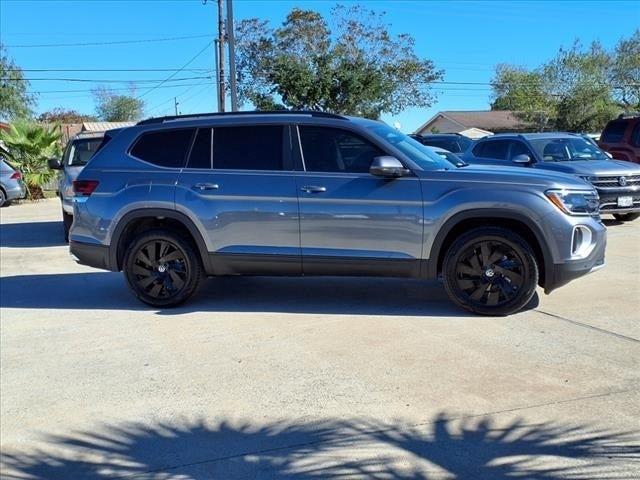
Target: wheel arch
{"points": [[515, 221], [137, 221]]}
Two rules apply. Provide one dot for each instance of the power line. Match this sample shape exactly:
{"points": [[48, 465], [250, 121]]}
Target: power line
{"points": [[117, 42], [76, 70], [104, 80], [112, 89]]}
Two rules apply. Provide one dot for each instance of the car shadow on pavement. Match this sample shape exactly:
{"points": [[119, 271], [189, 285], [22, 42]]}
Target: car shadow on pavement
{"points": [[471, 447], [32, 234], [321, 295]]}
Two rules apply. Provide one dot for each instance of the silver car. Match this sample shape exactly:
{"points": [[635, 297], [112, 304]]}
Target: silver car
{"points": [[11, 185], [76, 154], [174, 199]]}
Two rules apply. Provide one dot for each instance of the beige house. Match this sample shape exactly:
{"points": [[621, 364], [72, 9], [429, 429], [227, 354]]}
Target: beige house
{"points": [[473, 124]]}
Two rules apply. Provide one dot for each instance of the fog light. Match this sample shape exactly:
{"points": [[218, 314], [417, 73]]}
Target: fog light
{"points": [[581, 242]]}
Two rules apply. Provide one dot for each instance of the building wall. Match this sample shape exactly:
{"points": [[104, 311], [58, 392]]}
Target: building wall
{"points": [[442, 125]]}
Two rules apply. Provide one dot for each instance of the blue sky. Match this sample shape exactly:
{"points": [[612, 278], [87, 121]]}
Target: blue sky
{"points": [[466, 39]]}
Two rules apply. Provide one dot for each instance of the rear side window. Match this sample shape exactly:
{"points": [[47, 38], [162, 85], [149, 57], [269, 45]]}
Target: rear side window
{"points": [[247, 148], [165, 148], [614, 132], [496, 149]]}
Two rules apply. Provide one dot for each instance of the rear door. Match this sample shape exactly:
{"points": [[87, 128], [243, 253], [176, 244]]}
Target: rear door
{"points": [[238, 187], [352, 222]]}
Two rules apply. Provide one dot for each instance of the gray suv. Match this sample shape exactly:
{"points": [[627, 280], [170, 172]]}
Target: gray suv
{"points": [[617, 182], [174, 199]]}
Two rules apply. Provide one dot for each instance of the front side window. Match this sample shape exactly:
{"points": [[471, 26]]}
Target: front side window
{"points": [[200, 156], [496, 149], [247, 148], [165, 148], [519, 148], [566, 149], [328, 149]]}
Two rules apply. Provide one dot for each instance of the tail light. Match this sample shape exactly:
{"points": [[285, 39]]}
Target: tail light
{"points": [[84, 187], [17, 175]]}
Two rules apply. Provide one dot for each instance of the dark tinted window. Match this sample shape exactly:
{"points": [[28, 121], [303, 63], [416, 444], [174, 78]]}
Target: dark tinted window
{"points": [[614, 132], [519, 148], [450, 145], [200, 156], [335, 150], [164, 148], [248, 148], [635, 136], [496, 149]]}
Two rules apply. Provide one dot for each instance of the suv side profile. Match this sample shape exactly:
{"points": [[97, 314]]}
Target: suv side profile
{"points": [[174, 199], [621, 138], [617, 182]]}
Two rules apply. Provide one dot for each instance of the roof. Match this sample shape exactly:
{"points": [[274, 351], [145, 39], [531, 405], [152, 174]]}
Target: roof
{"points": [[531, 136], [104, 126], [490, 120], [244, 113]]}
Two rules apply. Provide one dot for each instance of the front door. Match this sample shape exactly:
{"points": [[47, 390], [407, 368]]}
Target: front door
{"points": [[238, 186], [352, 222]]}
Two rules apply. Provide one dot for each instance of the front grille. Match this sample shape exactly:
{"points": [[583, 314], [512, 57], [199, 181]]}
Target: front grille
{"points": [[610, 202], [613, 182]]}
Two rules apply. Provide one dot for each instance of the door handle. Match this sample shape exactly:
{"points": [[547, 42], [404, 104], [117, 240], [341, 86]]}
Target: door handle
{"points": [[313, 189], [205, 186]]}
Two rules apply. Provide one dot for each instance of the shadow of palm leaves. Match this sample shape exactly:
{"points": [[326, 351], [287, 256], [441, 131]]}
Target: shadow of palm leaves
{"points": [[462, 449]]}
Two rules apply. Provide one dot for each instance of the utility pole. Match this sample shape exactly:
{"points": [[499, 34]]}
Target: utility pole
{"points": [[221, 93], [175, 104], [216, 51], [232, 57]]}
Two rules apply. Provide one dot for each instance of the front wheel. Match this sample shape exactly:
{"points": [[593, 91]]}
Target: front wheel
{"points": [[490, 271], [67, 220], [162, 268], [626, 217]]}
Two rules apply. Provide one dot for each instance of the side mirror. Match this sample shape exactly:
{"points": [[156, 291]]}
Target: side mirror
{"points": [[54, 164], [522, 159], [388, 166]]}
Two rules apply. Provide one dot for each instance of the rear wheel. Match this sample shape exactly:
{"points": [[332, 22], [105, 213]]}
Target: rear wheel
{"points": [[626, 217], [3, 198], [162, 268], [490, 271], [67, 220]]}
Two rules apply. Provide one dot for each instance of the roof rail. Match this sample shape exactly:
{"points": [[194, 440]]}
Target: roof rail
{"points": [[170, 118], [628, 115]]}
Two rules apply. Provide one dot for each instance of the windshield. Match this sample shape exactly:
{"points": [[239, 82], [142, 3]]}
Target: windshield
{"points": [[566, 149], [81, 150], [413, 149]]}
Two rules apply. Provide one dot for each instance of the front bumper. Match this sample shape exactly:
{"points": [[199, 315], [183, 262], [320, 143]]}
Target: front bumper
{"points": [[563, 273]]}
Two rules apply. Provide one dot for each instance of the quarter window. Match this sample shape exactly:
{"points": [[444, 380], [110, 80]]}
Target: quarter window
{"points": [[335, 150], [166, 148]]}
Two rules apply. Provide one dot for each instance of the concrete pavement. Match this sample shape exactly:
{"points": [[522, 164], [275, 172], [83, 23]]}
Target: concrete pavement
{"points": [[310, 378]]}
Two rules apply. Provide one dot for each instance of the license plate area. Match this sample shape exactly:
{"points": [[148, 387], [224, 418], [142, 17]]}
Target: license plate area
{"points": [[625, 202]]}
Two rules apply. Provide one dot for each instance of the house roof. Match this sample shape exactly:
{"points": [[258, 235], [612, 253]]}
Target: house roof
{"points": [[490, 120], [104, 126]]}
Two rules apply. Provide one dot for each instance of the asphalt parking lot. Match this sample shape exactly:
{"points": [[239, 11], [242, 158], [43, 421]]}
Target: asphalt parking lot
{"points": [[277, 378]]}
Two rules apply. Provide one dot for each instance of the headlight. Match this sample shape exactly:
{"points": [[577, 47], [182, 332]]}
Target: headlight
{"points": [[575, 202]]}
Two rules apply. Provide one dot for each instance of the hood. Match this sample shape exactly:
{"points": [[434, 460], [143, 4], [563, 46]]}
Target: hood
{"points": [[592, 167], [513, 175]]}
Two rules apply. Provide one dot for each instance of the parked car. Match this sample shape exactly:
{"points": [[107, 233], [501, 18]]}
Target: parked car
{"points": [[447, 155], [174, 199], [617, 182], [621, 138], [451, 142], [12, 186], [76, 154]]}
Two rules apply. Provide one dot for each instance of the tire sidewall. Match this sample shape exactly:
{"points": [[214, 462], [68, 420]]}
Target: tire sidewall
{"points": [[499, 235], [193, 264]]}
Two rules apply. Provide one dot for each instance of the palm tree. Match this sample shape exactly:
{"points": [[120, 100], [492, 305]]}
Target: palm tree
{"points": [[29, 148]]}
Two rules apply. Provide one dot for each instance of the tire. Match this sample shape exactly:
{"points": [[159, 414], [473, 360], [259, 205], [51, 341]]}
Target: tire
{"points": [[67, 220], [626, 217], [3, 198], [167, 283], [490, 271]]}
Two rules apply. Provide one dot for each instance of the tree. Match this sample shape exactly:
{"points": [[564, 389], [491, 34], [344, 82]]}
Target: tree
{"points": [[15, 100], [524, 92], [359, 69], [117, 108], [61, 115], [30, 146], [625, 72]]}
